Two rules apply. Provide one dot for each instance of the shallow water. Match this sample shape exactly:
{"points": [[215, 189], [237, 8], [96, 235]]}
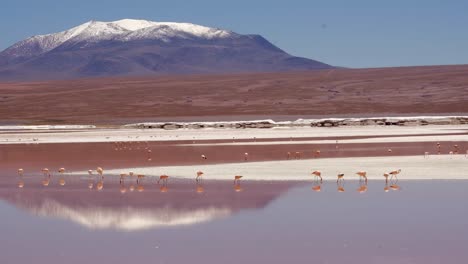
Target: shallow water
{"points": [[216, 222]]}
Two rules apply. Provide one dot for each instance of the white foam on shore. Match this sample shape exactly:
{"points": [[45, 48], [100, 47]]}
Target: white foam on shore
{"points": [[47, 127], [449, 167], [113, 135]]}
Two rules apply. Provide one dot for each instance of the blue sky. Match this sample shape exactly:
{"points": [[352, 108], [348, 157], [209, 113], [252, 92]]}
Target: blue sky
{"points": [[350, 33]]}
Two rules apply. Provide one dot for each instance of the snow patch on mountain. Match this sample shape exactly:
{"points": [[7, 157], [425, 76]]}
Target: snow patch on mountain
{"points": [[123, 30]]}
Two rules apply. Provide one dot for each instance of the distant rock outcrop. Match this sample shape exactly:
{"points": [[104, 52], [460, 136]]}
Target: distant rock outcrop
{"points": [[331, 122]]}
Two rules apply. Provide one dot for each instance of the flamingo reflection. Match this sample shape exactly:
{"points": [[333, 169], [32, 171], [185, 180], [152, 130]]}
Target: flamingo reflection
{"points": [[200, 188], [237, 187], [362, 187]]}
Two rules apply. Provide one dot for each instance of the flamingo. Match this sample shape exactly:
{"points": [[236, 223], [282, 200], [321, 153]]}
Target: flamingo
{"points": [[317, 153], [362, 174], [288, 155], [237, 179], [100, 171], [394, 173], [20, 172], [122, 177], [61, 180], [455, 149], [140, 177], [389, 150], [199, 174], [90, 172], [426, 155], [45, 171], [317, 174], [203, 157], [246, 156], [297, 155], [163, 178], [386, 177], [340, 177]]}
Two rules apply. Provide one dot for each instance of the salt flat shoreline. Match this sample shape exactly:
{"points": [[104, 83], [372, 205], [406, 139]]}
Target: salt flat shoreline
{"points": [[435, 167]]}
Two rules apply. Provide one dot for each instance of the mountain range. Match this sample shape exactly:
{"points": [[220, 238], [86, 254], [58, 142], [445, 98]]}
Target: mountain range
{"points": [[131, 47]]}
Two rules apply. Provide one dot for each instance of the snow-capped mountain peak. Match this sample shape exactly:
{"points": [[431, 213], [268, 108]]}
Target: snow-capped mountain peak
{"points": [[122, 30]]}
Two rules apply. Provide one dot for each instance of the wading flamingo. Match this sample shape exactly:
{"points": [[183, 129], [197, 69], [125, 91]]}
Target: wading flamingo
{"points": [[100, 171], [340, 177], [386, 177], [297, 155], [163, 178], [20, 172], [237, 179], [122, 177], [317, 153], [246, 156], [140, 177], [340, 187], [45, 172], [61, 180], [362, 174], [317, 174], [394, 174], [199, 174]]}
